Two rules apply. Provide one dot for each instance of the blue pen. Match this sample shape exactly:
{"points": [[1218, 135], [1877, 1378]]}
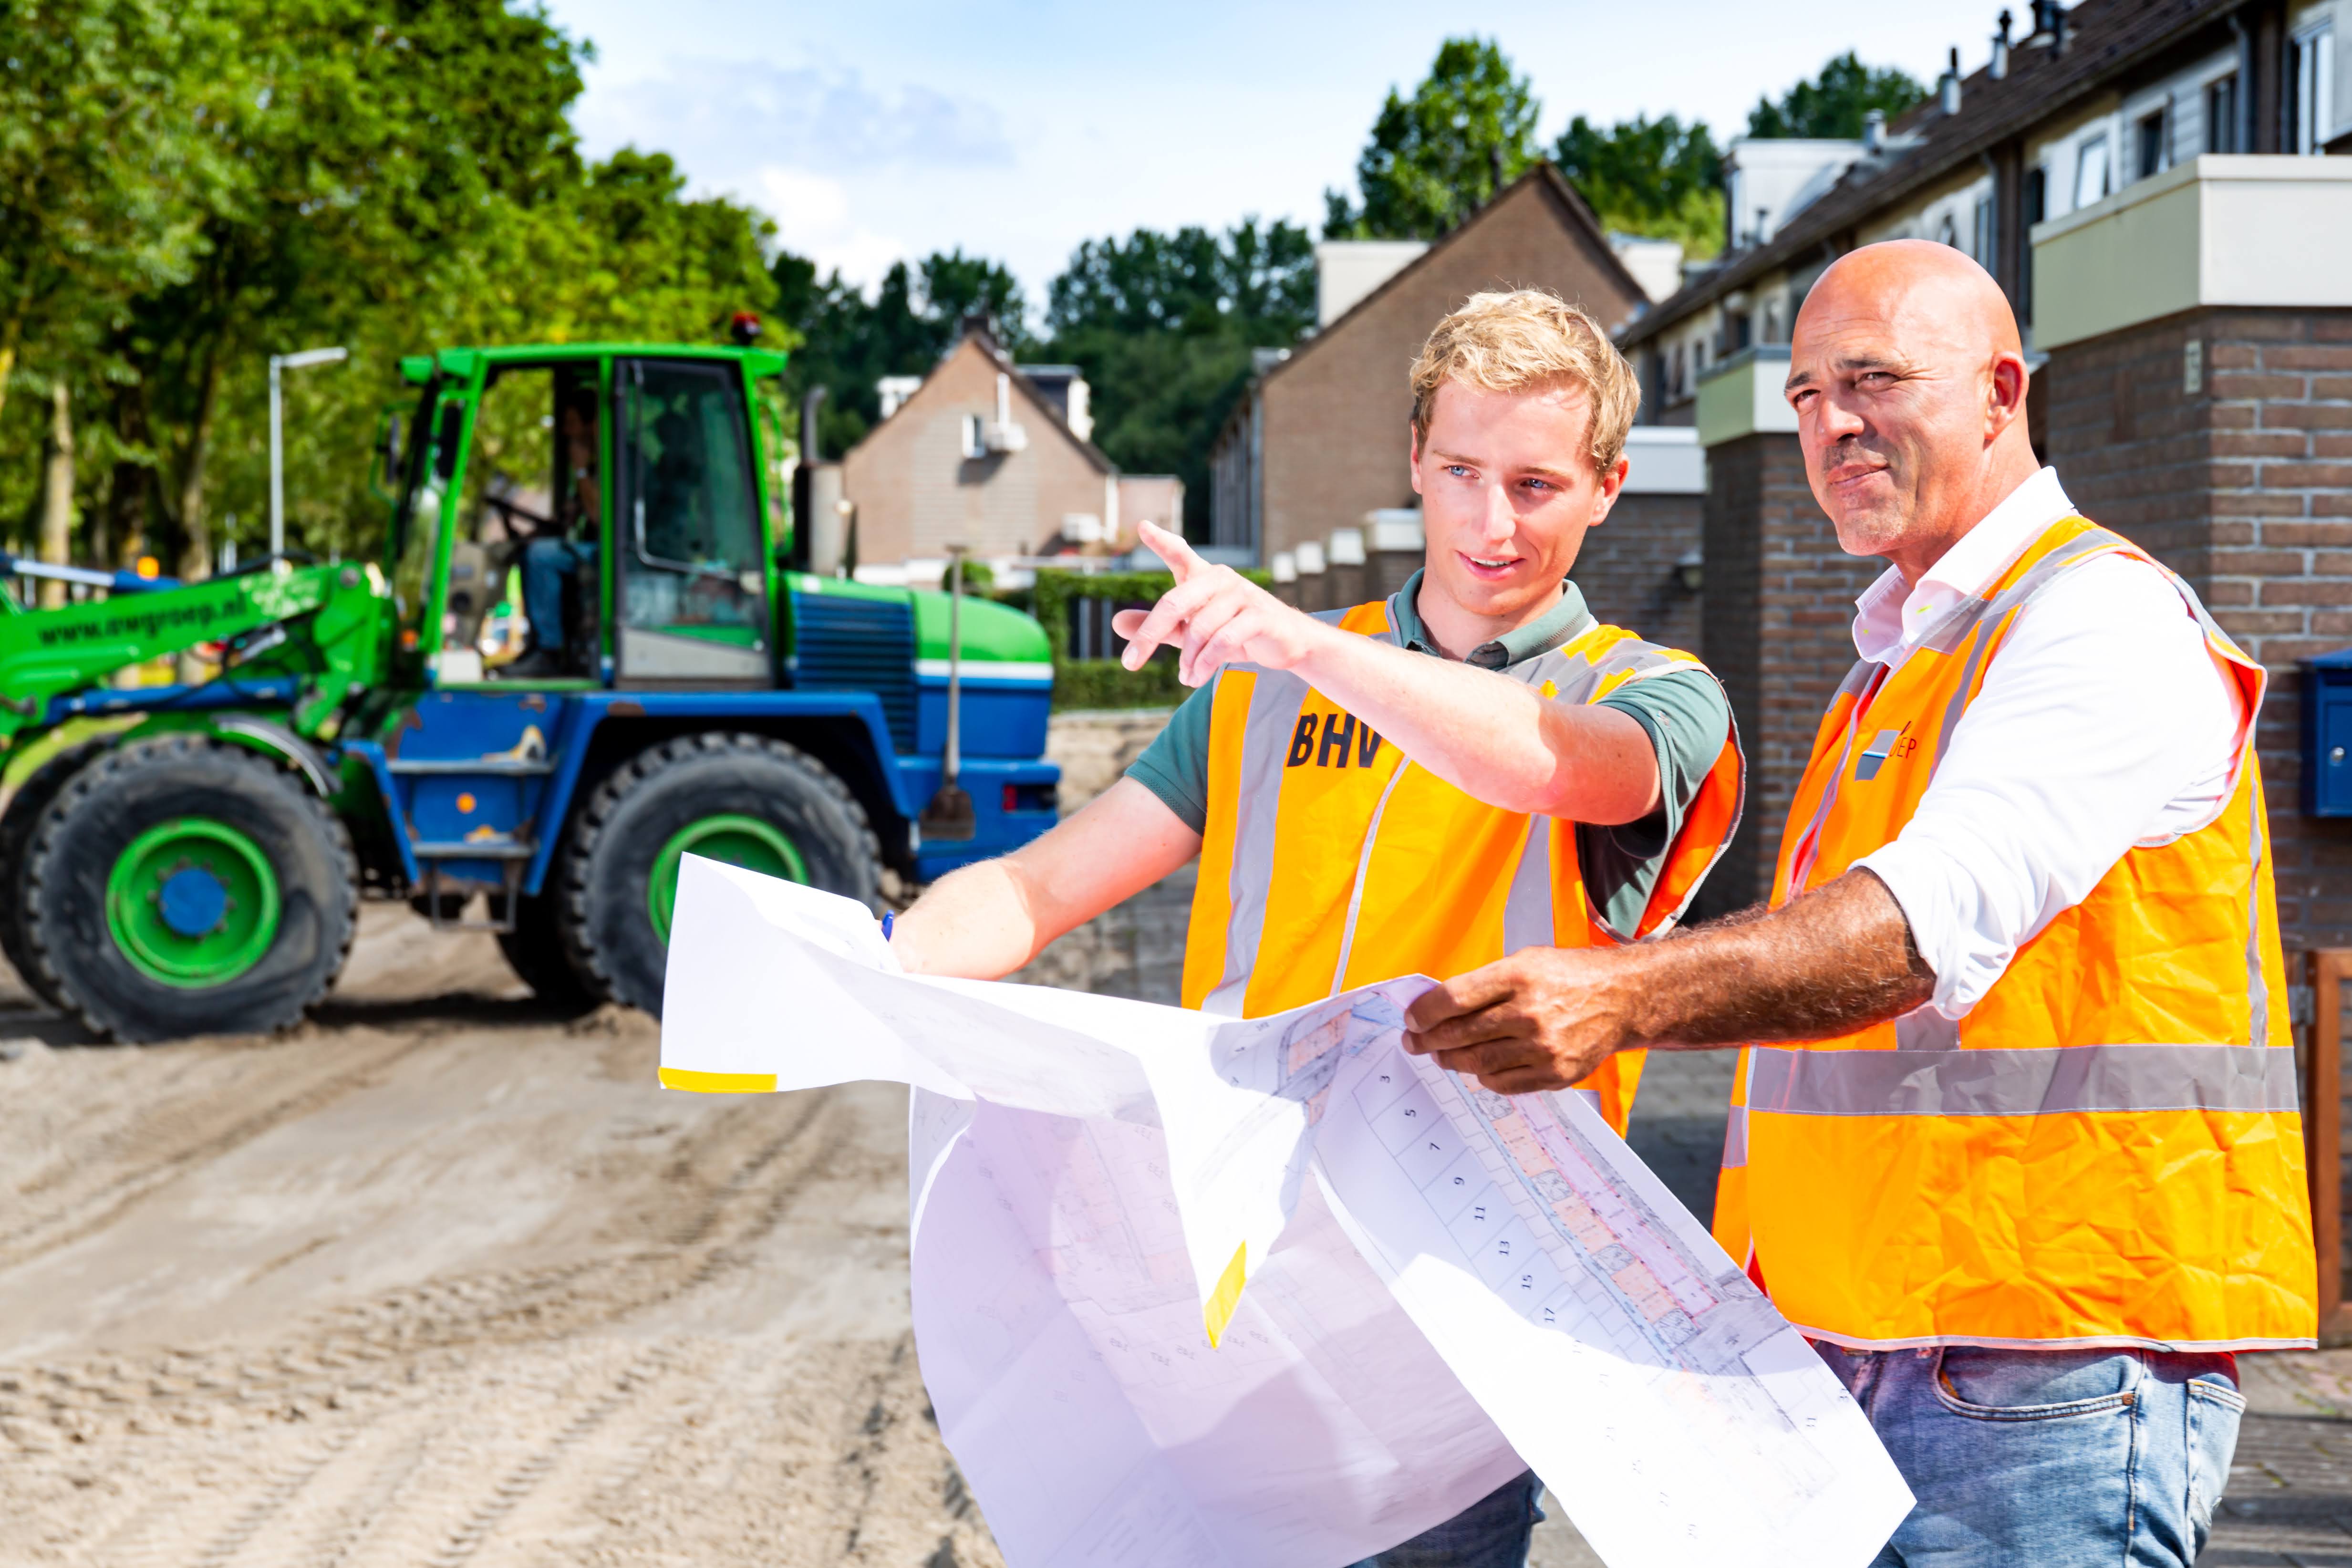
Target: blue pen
{"points": [[886, 919]]}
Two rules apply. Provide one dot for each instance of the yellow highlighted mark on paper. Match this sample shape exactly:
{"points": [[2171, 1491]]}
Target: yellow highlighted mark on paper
{"points": [[1549, 689], [719, 1082], [1220, 1310]]}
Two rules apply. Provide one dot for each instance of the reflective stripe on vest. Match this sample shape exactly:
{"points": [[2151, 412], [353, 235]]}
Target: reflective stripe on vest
{"points": [[1329, 860], [2108, 1149]]}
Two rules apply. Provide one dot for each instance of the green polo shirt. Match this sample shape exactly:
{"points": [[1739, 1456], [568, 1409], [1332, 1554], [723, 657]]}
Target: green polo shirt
{"points": [[1684, 713]]}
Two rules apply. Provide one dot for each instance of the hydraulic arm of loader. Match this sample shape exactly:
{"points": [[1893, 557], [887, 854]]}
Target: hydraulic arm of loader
{"points": [[328, 639]]}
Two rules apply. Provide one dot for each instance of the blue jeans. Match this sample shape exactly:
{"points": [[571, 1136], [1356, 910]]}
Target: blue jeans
{"points": [[2062, 1458], [1492, 1532], [546, 562]]}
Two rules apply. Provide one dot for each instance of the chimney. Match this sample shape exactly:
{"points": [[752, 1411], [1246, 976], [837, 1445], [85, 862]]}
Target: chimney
{"points": [[2049, 26], [1874, 132], [1948, 85], [1999, 69]]}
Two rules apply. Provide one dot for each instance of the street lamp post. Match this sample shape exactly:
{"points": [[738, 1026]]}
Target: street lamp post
{"points": [[278, 438]]}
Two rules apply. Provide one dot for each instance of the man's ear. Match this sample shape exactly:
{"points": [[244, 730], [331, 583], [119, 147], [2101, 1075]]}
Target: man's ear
{"points": [[1610, 485], [1413, 447], [2005, 394]]}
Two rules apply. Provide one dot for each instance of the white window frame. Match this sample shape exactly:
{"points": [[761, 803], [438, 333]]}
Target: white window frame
{"points": [[2105, 146], [2315, 87]]}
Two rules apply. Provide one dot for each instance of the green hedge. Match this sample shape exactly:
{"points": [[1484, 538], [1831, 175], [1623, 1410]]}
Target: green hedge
{"points": [[1105, 682]]}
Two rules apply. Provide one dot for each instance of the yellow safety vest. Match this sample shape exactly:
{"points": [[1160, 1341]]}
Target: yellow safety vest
{"points": [[1330, 861], [2108, 1149]]}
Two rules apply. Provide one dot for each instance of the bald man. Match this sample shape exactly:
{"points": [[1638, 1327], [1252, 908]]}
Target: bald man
{"points": [[2015, 1141]]}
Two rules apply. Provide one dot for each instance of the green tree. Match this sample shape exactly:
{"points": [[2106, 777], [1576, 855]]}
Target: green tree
{"points": [[1833, 103], [103, 155], [1435, 158], [376, 146], [850, 342], [1655, 177], [1165, 326]]}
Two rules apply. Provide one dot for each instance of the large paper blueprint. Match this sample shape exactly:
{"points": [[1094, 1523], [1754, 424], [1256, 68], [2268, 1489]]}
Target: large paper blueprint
{"points": [[1199, 1290]]}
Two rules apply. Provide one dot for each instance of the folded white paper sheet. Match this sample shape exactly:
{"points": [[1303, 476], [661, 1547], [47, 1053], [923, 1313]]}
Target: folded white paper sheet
{"points": [[1271, 1292]]}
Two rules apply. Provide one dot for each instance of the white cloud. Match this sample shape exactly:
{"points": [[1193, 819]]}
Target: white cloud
{"points": [[814, 217], [805, 116]]}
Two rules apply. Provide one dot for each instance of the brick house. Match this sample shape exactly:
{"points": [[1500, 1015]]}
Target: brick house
{"points": [[2137, 178], [991, 454], [1318, 442]]}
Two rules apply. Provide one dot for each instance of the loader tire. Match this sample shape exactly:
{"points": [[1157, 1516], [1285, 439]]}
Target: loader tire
{"points": [[747, 800], [178, 887], [534, 951], [26, 808]]}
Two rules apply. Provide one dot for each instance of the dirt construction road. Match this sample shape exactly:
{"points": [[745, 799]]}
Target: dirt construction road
{"points": [[440, 1280]]}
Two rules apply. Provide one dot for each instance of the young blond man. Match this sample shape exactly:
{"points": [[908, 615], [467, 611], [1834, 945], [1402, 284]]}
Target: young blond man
{"points": [[1425, 783]]}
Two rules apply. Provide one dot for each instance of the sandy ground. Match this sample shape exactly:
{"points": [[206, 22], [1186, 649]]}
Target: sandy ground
{"points": [[438, 1281]]}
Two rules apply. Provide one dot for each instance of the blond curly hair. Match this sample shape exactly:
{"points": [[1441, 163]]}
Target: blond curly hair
{"points": [[1529, 337]]}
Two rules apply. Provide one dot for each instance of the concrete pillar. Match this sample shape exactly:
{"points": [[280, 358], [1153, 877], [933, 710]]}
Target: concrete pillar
{"points": [[1343, 551], [1395, 549], [1284, 569], [1314, 592]]}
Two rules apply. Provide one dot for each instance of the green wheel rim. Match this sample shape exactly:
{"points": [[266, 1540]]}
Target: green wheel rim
{"points": [[192, 902], [729, 838]]}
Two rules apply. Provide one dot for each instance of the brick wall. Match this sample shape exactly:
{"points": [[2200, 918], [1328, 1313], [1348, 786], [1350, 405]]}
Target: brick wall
{"points": [[1778, 628], [1626, 568], [2244, 487]]}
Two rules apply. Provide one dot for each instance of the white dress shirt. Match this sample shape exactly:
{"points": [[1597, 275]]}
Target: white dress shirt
{"points": [[2104, 722]]}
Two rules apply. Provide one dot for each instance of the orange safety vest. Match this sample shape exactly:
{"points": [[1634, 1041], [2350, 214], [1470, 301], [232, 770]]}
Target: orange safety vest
{"points": [[1330, 861], [2107, 1150]]}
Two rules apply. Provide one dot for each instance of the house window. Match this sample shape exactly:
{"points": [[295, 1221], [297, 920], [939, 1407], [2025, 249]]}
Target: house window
{"points": [[2091, 170], [1980, 231], [2149, 146], [975, 436], [2222, 115], [2313, 63], [1948, 232]]}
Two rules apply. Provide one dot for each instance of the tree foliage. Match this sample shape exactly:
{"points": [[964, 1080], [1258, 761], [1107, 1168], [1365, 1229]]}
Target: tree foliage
{"points": [[216, 180], [1435, 158], [1832, 104], [1165, 327], [916, 315], [1655, 177]]}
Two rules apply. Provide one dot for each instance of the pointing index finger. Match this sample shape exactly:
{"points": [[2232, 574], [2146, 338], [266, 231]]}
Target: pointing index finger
{"points": [[1169, 547]]}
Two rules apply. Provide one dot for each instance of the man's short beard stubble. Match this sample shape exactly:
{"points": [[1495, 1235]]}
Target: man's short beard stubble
{"points": [[1881, 527]]}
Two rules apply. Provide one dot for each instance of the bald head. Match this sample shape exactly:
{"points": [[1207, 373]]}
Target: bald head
{"points": [[1922, 290], [1908, 381]]}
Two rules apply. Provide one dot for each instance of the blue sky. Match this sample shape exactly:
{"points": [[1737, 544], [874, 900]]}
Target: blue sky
{"points": [[886, 129]]}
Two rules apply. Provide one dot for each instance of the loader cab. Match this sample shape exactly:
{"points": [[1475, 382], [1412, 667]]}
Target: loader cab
{"points": [[577, 517]]}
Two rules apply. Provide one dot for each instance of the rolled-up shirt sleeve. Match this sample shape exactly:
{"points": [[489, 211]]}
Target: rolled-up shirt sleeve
{"points": [[2104, 722]]}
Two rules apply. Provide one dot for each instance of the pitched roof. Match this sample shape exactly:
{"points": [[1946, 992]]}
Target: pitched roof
{"points": [[985, 340], [2104, 38], [1549, 184]]}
